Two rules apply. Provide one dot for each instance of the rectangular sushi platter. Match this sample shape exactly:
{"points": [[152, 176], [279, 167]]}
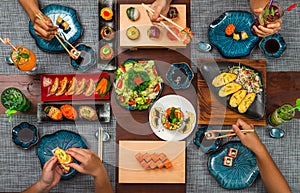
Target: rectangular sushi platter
{"points": [[143, 23], [130, 170]]}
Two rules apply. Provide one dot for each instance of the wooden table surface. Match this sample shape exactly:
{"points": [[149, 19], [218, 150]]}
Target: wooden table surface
{"points": [[133, 125]]}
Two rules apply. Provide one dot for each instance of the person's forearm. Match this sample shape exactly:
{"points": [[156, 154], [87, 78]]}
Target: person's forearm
{"points": [[102, 185], [270, 173], [31, 7], [37, 188]]}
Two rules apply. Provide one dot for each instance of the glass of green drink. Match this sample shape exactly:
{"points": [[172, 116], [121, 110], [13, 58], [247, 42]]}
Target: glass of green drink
{"points": [[14, 100], [281, 115]]}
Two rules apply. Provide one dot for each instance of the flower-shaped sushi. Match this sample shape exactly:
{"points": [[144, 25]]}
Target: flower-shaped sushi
{"points": [[172, 118]]}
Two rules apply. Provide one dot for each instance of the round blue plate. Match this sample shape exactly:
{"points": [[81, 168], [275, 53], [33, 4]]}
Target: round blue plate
{"points": [[243, 171], [179, 79], [69, 15], [226, 45], [207, 146], [275, 42], [25, 135], [87, 58], [63, 139]]}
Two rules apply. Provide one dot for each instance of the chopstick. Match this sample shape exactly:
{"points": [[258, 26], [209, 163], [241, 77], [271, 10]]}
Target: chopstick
{"points": [[100, 142], [222, 131], [167, 19], [151, 11], [74, 56]]}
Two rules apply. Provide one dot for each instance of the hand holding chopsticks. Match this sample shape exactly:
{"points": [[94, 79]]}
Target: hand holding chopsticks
{"points": [[184, 35], [73, 53], [211, 135]]}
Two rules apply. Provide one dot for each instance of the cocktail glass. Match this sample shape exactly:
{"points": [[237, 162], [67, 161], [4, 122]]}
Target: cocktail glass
{"points": [[23, 58], [14, 100], [281, 115], [269, 14]]}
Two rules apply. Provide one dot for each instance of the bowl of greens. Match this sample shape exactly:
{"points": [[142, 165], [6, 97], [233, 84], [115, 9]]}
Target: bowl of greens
{"points": [[137, 84]]}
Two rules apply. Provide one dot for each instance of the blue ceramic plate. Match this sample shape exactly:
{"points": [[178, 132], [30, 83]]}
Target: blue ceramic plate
{"points": [[180, 75], [69, 15], [63, 139], [226, 45], [25, 135], [86, 60], [273, 45], [207, 146], [243, 171]]}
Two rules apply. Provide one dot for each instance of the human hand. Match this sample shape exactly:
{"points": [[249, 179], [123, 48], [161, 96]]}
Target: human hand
{"points": [[44, 28], [159, 7], [90, 162], [250, 140], [269, 29], [51, 174]]}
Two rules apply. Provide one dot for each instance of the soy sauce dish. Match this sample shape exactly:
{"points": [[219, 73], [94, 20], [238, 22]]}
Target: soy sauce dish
{"points": [[25, 135], [272, 46]]}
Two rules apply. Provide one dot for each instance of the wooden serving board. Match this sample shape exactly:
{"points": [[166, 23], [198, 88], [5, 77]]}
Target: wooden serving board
{"points": [[130, 170], [143, 24], [212, 111]]}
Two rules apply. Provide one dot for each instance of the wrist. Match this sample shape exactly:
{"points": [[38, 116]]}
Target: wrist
{"points": [[43, 187]]}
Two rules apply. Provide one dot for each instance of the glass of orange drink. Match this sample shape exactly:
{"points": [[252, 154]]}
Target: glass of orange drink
{"points": [[24, 59]]}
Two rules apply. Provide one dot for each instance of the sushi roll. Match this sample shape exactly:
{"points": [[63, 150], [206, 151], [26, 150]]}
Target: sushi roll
{"points": [[132, 13], [106, 53], [236, 36], [106, 13], [62, 24], [133, 33], [172, 13], [232, 152], [170, 35], [244, 35], [153, 32], [227, 161], [107, 33]]}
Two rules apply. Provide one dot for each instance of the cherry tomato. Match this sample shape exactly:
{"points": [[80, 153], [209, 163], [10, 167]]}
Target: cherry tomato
{"points": [[131, 103], [154, 72], [123, 68], [121, 98]]}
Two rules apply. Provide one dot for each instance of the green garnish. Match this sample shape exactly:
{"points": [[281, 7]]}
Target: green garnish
{"points": [[9, 113], [297, 105], [23, 55]]}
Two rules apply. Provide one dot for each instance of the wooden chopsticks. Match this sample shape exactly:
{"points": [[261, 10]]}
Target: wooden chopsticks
{"points": [[74, 53], [167, 19], [210, 135], [151, 11], [100, 143]]}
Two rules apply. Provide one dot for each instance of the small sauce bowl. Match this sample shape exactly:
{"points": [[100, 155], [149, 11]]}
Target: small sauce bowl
{"points": [[25, 135]]}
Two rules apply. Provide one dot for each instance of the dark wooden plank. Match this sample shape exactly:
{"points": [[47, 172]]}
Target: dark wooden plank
{"points": [[134, 125], [282, 87], [211, 111]]}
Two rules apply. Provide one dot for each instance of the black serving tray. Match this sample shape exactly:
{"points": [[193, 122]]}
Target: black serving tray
{"points": [[107, 65], [103, 112], [209, 70]]}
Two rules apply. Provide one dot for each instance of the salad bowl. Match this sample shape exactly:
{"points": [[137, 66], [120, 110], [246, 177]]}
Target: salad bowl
{"points": [[137, 84]]}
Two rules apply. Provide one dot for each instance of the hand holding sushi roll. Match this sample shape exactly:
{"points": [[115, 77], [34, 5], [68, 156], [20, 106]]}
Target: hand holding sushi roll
{"points": [[160, 7], [91, 165], [43, 28], [269, 172]]}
